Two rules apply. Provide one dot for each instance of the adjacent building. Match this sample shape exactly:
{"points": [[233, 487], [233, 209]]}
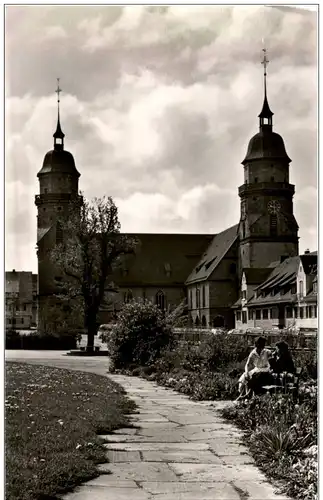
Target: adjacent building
{"points": [[286, 298], [20, 300]]}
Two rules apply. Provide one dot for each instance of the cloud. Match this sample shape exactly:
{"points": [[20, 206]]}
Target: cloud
{"points": [[158, 107]]}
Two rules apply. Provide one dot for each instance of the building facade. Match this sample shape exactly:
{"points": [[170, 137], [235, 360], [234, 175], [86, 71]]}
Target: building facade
{"points": [[287, 299], [20, 300]]}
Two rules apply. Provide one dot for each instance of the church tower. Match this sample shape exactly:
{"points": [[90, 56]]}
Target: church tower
{"points": [[268, 230], [58, 186]]}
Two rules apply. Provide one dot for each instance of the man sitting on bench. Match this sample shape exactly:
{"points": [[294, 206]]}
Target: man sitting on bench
{"points": [[263, 369], [256, 370]]}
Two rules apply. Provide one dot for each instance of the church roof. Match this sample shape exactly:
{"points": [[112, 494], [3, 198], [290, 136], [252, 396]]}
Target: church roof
{"points": [[60, 161], [161, 260], [215, 252], [266, 145], [256, 275]]}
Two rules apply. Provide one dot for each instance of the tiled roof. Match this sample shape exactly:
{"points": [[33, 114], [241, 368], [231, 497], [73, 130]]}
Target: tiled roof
{"points": [[256, 275], [215, 252], [286, 270], [161, 259], [280, 276], [276, 299]]}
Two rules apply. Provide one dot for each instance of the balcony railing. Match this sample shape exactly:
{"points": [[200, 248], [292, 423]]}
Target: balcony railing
{"points": [[256, 186], [56, 197]]}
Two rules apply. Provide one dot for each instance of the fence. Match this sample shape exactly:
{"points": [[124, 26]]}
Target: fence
{"points": [[296, 340]]}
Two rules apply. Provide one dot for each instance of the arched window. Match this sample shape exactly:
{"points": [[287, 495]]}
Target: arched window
{"points": [[198, 298], [197, 321], [203, 299], [203, 321], [160, 299], [128, 296]]}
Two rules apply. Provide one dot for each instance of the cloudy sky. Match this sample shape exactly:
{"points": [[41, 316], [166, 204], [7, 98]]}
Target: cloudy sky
{"points": [[158, 106]]}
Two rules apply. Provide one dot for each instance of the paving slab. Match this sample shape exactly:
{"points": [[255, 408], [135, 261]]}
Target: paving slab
{"points": [[186, 456], [177, 488], [158, 437], [123, 456], [156, 446], [140, 471], [104, 493], [214, 472]]}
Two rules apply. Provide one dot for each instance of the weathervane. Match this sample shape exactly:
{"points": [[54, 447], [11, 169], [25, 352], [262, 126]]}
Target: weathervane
{"points": [[265, 62]]}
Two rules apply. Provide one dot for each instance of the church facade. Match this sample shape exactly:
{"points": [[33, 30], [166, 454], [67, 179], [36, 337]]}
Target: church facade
{"points": [[204, 269]]}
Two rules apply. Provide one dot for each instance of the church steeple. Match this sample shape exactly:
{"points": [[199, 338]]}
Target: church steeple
{"points": [[59, 134], [265, 117]]}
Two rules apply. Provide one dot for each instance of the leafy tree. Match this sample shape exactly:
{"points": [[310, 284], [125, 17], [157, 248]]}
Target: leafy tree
{"points": [[91, 249]]}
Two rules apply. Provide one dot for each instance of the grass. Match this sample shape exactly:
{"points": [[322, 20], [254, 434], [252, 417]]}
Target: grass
{"points": [[52, 417]]}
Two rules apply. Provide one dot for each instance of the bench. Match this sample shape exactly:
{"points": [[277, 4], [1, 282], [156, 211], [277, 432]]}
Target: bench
{"points": [[286, 387]]}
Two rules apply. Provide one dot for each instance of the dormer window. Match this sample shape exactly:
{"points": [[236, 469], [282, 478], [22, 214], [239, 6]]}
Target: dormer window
{"points": [[167, 269], [315, 287], [244, 294]]}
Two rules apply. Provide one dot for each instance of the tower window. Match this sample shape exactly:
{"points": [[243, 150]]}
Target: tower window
{"points": [[256, 179], [45, 190], [128, 296], [160, 299], [44, 209], [59, 234], [272, 179], [273, 224], [59, 208]]}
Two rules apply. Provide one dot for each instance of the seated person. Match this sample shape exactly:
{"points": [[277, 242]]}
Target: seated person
{"points": [[257, 369], [282, 360]]}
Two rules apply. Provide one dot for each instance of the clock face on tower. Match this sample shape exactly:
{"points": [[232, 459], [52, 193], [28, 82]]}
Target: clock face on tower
{"points": [[273, 207]]}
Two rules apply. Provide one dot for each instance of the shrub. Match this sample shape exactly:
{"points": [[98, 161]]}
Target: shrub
{"points": [[34, 341], [140, 334]]}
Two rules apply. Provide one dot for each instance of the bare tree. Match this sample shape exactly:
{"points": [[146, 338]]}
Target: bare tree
{"points": [[91, 249]]}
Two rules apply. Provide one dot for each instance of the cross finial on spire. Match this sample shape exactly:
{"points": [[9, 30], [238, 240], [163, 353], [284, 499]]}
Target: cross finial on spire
{"points": [[58, 90], [266, 114], [265, 61], [58, 135]]}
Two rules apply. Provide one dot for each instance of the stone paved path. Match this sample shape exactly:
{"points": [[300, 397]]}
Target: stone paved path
{"points": [[177, 450]]}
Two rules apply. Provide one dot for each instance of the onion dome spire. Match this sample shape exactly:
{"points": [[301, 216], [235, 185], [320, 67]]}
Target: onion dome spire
{"points": [[59, 134], [266, 114]]}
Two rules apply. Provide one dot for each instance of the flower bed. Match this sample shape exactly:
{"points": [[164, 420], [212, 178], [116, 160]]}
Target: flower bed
{"points": [[282, 437]]}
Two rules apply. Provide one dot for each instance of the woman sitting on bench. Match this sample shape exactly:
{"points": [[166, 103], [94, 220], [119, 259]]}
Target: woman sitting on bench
{"points": [[282, 360]]}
